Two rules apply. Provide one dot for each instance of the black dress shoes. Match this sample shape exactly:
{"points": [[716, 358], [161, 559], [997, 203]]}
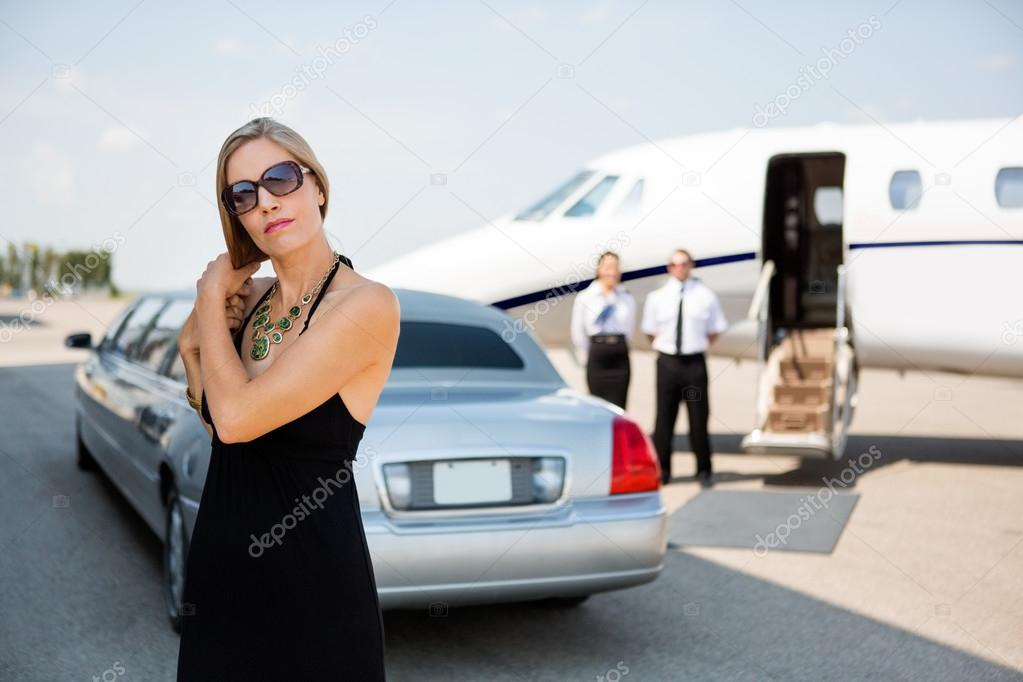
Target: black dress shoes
{"points": [[705, 478]]}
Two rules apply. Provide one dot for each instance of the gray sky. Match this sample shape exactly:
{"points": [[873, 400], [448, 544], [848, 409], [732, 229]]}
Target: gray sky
{"points": [[112, 114]]}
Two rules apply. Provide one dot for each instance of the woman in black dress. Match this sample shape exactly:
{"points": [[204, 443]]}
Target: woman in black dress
{"points": [[279, 584]]}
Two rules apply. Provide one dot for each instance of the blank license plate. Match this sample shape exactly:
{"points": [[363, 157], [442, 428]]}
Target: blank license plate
{"points": [[472, 481]]}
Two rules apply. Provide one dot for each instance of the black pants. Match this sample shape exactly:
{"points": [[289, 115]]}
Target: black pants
{"points": [[608, 370], [682, 377]]}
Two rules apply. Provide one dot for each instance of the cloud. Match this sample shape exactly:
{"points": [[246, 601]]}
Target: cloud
{"points": [[996, 62], [229, 45], [596, 14], [285, 48], [866, 113], [524, 20], [118, 137], [51, 174]]}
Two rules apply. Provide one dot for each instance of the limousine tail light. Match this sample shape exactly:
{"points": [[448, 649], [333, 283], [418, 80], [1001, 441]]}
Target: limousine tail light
{"points": [[634, 464]]}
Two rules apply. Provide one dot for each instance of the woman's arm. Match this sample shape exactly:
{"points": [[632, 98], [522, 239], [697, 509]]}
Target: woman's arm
{"points": [[236, 306], [188, 344], [190, 359], [356, 333]]}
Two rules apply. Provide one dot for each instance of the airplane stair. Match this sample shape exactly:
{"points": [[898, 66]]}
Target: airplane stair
{"points": [[806, 392], [801, 400]]}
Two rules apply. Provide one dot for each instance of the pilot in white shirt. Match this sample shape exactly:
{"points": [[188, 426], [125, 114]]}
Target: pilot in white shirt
{"points": [[603, 320], [681, 319]]}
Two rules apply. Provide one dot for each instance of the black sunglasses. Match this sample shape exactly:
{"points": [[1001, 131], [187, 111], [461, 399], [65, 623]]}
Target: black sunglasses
{"points": [[279, 179]]}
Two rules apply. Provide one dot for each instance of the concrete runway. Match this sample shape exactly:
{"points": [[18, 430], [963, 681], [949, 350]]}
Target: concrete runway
{"points": [[926, 580]]}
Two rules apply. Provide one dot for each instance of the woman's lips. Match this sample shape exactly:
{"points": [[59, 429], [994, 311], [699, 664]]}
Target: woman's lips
{"points": [[278, 226]]}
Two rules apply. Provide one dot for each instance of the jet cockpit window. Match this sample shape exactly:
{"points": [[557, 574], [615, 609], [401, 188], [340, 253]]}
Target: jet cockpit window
{"points": [[632, 201], [542, 208], [589, 204], [905, 189]]}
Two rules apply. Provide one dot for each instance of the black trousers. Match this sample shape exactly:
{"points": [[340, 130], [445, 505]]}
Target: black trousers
{"points": [[608, 370], [682, 377]]}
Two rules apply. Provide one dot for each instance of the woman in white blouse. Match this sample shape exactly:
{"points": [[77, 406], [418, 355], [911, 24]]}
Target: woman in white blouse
{"points": [[603, 317]]}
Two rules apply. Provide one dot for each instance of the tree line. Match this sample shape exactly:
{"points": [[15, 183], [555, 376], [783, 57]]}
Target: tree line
{"points": [[44, 269]]}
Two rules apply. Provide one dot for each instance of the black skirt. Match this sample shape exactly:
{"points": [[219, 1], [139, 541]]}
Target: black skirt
{"points": [[608, 370]]}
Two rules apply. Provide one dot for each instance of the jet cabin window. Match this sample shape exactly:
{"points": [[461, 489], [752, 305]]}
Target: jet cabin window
{"points": [[1009, 187], [827, 205], [905, 189], [542, 208], [589, 204]]}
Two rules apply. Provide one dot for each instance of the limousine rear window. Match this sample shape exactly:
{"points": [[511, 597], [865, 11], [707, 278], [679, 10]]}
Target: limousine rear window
{"points": [[442, 344]]}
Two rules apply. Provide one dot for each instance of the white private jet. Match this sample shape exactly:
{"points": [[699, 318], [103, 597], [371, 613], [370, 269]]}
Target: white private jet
{"points": [[831, 247]]}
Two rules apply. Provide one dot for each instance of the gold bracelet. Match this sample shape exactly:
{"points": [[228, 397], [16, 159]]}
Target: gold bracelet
{"points": [[197, 404]]}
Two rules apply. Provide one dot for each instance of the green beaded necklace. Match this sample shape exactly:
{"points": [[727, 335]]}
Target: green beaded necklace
{"points": [[266, 331]]}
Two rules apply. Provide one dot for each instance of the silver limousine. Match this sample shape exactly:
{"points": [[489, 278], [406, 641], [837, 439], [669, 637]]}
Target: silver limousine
{"points": [[482, 477]]}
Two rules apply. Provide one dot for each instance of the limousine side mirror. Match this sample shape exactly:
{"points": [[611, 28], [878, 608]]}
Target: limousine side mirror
{"points": [[81, 340]]}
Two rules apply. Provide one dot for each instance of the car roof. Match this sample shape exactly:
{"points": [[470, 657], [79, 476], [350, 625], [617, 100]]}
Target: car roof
{"points": [[426, 306]]}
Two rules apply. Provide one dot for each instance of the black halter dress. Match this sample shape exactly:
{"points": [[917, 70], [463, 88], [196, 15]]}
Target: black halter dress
{"points": [[279, 584]]}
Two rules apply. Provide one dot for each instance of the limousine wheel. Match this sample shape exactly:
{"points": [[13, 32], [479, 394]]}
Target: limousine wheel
{"points": [[84, 457], [175, 548]]}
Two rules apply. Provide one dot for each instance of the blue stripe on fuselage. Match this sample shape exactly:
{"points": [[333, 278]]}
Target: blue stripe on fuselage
{"points": [[571, 288]]}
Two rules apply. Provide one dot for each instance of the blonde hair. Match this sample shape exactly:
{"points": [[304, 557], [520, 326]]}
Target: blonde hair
{"points": [[239, 244]]}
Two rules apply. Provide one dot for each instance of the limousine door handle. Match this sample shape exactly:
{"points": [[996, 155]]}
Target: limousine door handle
{"points": [[154, 422]]}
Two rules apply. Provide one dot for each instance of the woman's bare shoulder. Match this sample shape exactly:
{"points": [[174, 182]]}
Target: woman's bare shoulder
{"points": [[356, 294], [355, 289]]}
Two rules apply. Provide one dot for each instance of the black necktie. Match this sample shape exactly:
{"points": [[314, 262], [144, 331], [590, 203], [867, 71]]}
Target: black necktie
{"points": [[678, 324]]}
